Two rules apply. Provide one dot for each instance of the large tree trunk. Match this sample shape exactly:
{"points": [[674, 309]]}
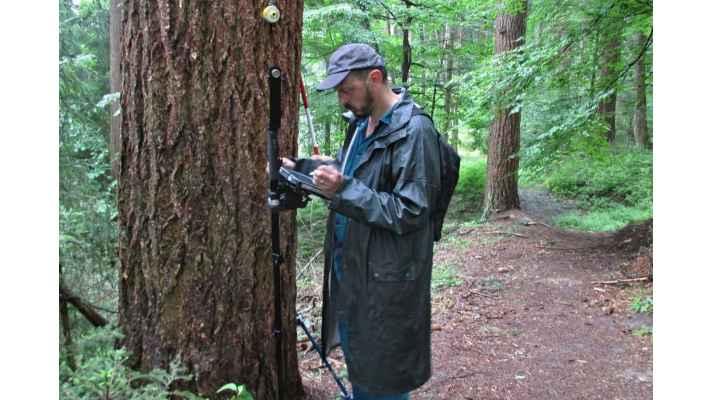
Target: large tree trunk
{"points": [[503, 145], [640, 117], [196, 276], [115, 74], [609, 70]]}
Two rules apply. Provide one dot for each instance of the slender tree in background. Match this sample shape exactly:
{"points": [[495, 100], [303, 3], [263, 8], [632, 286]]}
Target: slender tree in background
{"points": [[610, 54], [640, 115], [115, 73], [195, 276], [448, 87], [407, 49], [503, 145]]}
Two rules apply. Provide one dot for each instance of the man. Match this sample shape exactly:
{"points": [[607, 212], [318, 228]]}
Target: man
{"points": [[379, 241]]}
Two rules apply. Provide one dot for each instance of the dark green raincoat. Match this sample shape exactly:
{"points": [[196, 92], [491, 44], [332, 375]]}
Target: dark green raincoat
{"points": [[384, 294]]}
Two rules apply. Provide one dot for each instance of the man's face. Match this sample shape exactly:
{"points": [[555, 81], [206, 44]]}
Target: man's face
{"points": [[355, 95]]}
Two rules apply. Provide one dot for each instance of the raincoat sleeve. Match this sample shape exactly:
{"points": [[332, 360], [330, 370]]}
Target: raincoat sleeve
{"points": [[416, 173]]}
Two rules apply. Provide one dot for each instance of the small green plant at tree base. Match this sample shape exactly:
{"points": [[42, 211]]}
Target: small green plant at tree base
{"points": [[241, 392], [101, 372], [645, 330], [642, 304]]}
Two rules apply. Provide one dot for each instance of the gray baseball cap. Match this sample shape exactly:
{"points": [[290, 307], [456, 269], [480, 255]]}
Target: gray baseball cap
{"points": [[346, 59]]}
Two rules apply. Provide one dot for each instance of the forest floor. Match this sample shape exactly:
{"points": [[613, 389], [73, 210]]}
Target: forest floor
{"points": [[518, 313]]}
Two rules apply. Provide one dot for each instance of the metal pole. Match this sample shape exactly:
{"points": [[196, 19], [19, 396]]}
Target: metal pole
{"points": [[275, 79]]}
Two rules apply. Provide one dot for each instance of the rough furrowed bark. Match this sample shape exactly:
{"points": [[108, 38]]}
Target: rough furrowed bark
{"points": [[196, 276]]}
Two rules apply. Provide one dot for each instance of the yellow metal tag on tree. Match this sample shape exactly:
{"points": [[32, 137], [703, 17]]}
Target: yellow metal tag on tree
{"points": [[271, 14]]}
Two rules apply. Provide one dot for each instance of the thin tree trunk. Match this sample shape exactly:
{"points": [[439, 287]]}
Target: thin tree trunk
{"points": [[407, 49], [66, 328], [407, 56], [196, 261], [610, 57], [640, 117], [115, 74], [67, 334], [448, 86], [503, 146], [437, 73]]}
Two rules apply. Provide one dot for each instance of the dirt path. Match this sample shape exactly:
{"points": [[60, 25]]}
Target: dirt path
{"points": [[527, 322], [539, 204]]}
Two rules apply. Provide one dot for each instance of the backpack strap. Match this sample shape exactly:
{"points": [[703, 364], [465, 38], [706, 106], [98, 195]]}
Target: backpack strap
{"points": [[418, 111]]}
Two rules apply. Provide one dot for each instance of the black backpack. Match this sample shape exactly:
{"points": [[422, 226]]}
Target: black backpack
{"points": [[449, 174]]}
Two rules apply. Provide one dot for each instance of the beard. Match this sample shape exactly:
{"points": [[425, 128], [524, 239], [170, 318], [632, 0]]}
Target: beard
{"points": [[367, 108]]}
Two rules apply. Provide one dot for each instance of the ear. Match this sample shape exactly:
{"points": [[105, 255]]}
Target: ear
{"points": [[375, 76]]}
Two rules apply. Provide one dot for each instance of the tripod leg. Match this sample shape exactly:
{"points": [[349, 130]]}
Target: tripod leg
{"points": [[344, 392]]}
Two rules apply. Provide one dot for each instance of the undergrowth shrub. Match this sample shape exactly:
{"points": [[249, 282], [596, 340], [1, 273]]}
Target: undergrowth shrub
{"points": [[623, 177], [605, 218], [101, 373], [471, 184], [614, 187]]}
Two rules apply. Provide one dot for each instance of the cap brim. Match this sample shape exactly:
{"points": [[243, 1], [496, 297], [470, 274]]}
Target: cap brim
{"points": [[332, 81]]}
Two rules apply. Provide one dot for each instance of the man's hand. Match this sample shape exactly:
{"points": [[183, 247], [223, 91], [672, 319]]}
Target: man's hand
{"points": [[328, 179]]}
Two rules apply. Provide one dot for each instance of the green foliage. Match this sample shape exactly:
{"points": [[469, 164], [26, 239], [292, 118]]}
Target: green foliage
{"points": [[241, 392], [624, 177], [465, 206], [607, 218], [471, 183], [444, 276], [642, 304], [87, 191], [613, 186], [311, 228], [645, 330], [102, 373]]}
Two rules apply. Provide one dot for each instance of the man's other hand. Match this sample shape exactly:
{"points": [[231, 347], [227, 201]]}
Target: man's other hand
{"points": [[286, 163]]}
